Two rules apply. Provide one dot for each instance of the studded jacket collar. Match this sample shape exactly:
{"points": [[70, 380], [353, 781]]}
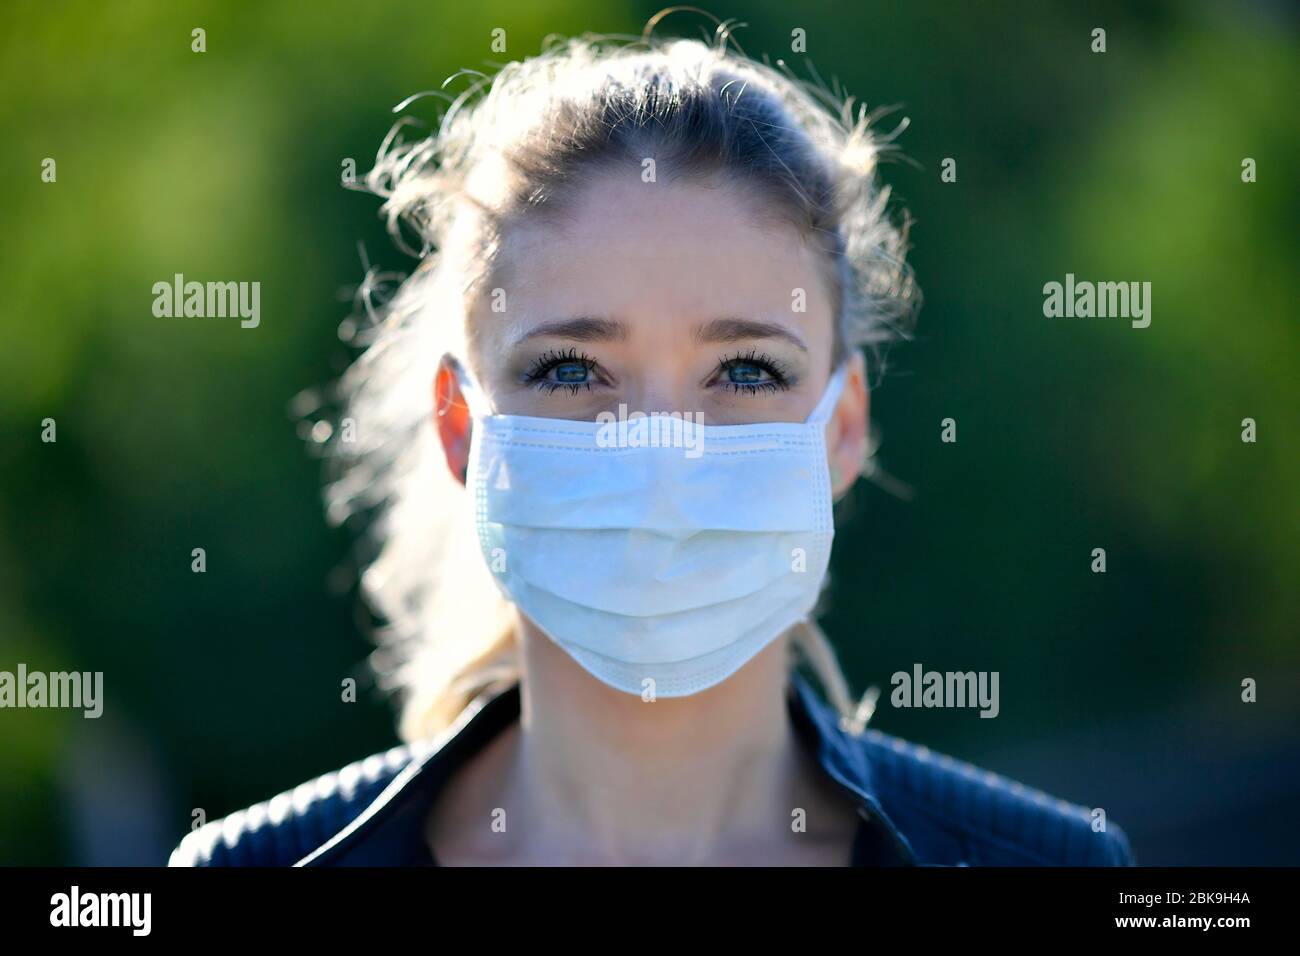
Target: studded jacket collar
{"points": [[917, 808]]}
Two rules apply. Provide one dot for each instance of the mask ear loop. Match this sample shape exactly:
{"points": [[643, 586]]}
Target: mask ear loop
{"points": [[475, 400], [830, 398]]}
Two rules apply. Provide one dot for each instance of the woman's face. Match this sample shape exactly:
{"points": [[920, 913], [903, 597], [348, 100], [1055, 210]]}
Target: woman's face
{"points": [[664, 297]]}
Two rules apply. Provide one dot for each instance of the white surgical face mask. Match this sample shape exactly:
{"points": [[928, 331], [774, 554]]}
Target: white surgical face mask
{"points": [[667, 564]]}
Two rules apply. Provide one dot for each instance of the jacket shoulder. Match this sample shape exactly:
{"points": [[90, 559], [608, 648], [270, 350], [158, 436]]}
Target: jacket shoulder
{"points": [[953, 812], [285, 828]]}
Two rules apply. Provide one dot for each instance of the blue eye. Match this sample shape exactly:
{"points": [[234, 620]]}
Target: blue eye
{"points": [[745, 373], [556, 369], [571, 373], [752, 373]]}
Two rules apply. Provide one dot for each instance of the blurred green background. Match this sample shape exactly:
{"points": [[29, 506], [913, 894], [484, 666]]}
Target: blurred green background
{"points": [[1119, 690]]}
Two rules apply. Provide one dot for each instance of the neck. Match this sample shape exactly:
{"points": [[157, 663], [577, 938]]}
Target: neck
{"points": [[611, 778]]}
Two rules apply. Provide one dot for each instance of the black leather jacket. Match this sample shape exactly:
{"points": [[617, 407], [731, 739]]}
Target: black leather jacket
{"points": [[917, 808]]}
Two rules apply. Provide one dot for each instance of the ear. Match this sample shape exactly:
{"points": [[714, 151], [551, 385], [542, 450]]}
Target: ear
{"points": [[451, 418], [846, 432]]}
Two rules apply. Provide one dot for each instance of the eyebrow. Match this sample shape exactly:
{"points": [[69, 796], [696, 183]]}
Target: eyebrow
{"points": [[587, 329], [579, 330], [737, 330]]}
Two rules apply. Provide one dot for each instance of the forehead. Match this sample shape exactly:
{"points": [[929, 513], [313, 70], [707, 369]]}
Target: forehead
{"points": [[684, 250]]}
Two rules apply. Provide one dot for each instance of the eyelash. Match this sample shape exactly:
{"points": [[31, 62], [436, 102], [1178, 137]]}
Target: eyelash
{"points": [[777, 370], [544, 364]]}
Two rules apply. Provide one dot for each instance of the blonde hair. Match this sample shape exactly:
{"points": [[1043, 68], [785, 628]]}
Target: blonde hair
{"points": [[515, 144]]}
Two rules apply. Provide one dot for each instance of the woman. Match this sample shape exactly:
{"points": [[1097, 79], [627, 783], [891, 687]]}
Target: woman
{"points": [[602, 427]]}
